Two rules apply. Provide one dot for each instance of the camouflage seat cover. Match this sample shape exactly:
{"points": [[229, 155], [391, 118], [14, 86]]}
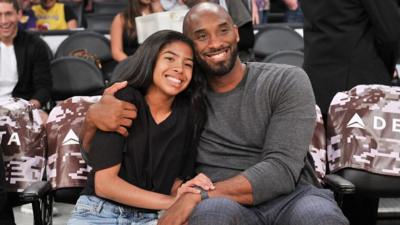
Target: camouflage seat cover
{"points": [[317, 147], [23, 139], [363, 130], [65, 167]]}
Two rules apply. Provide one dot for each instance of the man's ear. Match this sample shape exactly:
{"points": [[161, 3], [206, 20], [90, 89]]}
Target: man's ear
{"points": [[236, 29]]}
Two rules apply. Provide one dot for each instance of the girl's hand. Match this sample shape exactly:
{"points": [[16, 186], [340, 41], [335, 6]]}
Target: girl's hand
{"points": [[189, 186]]}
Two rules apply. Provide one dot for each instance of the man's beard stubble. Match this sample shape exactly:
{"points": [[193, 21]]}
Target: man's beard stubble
{"points": [[221, 69]]}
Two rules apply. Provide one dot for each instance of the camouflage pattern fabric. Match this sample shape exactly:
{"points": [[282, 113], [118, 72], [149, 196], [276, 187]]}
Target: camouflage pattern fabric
{"points": [[65, 167], [318, 146], [23, 139], [364, 130]]}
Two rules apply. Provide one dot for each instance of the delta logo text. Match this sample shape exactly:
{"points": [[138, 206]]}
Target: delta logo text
{"points": [[378, 123]]}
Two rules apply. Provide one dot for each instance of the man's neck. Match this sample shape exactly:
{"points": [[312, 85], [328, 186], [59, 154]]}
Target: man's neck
{"points": [[8, 41], [228, 82]]}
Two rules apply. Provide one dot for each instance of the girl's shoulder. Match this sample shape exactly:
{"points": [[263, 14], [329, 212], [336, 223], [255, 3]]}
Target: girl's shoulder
{"points": [[129, 94]]}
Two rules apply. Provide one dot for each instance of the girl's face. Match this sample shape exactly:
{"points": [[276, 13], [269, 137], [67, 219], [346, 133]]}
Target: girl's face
{"points": [[173, 70]]}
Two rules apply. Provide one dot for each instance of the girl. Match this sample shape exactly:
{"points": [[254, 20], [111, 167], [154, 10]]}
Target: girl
{"points": [[123, 28], [135, 176]]}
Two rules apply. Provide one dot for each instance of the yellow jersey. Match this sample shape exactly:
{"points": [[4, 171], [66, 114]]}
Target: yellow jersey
{"points": [[52, 19]]}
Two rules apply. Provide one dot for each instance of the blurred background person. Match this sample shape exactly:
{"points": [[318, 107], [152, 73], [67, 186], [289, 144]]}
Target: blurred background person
{"points": [[123, 34], [293, 14], [28, 19], [263, 9], [171, 5], [349, 42], [52, 15], [24, 60]]}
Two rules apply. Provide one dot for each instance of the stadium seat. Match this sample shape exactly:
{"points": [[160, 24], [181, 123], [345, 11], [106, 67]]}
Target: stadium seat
{"points": [[67, 170], [24, 148], [363, 134], [99, 22], [74, 76], [111, 7], [290, 57], [93, 42], [273, 38]]}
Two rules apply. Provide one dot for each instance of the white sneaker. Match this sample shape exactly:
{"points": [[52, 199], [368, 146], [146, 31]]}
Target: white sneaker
{"points": [[55, 211], [27, 208]]}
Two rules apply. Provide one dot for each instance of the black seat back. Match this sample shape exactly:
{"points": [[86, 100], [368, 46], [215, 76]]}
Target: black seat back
{"points": [[74, 76], [290, 57], [274, 38]]}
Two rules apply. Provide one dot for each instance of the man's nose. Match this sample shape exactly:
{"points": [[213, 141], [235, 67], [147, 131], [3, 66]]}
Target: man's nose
{"points": [[214, 42], [2, 18]]}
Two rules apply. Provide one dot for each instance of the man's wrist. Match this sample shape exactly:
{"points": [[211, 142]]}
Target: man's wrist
{"points": [[196, 198], [203, 193], [89, 123]]}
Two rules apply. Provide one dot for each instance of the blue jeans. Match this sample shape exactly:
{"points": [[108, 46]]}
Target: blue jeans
{"points": [[93, 210], [307, 205], [294, 16], [263, 16]]}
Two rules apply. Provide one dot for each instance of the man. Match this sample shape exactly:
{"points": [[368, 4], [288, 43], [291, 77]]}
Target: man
{"points": [[24, 60], [28, 19], [254, 144], [52, 15], [349, 42]]}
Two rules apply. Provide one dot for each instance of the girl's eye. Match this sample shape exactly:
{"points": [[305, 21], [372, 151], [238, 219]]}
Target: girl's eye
{"points": [[170, 59], [189, 65]]}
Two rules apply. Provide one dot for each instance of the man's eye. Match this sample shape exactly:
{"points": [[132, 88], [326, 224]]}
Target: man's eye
{"points": [[202, 36]]}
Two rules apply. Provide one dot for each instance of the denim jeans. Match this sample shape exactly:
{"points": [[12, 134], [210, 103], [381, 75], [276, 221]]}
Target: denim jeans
{"points": [[294, 16], [93, 210], [306, 205], [263, 16]]}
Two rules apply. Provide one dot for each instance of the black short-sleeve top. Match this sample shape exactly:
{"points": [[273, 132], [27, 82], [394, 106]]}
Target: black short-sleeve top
{"points": [[153, 155]]}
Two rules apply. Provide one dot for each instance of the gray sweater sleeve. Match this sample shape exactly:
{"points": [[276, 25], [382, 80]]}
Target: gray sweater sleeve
{"points": [[288, 135]]}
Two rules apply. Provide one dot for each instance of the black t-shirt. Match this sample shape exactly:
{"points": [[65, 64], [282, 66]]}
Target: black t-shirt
{"points": [[153, 155]]}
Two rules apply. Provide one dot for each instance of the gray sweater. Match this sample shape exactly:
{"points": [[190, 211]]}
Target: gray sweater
{"points": [[261, 129]]}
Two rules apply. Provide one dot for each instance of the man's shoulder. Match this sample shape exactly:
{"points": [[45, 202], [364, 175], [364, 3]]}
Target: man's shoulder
{"points": [[259, 70], [272, 78], [25, 36]]}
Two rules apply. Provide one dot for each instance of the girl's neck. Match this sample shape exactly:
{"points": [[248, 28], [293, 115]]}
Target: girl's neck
{"points": [[160, 105], [146, 10]]}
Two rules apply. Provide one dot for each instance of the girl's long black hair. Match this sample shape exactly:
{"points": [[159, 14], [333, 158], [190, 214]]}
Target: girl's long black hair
{"points": [[138, 71]]}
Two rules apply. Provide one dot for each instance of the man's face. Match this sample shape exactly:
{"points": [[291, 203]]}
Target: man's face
{"points": [[215, 39], [8, 21], [47, 4]]}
